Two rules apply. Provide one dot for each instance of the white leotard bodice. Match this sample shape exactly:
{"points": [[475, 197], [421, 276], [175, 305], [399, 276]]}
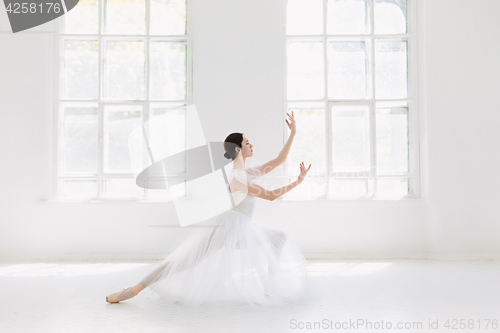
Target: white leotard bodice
{"points": [[244, 202]]}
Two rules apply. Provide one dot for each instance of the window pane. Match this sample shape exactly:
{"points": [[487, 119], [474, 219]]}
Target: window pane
{"points": [[309, 142], [81, 60], [168, 17], [347, 17], [349, 188], [178, 191], [350, 139], [305, 70], [78, 188], [83, 18], [167, 194], [167, 133], [392, 187], [391, 69], [390, 16], [158, 195], [168, 71], [119, 121], [79, 144], [121, 188], [310, 188], [124, 70], [304, 17], [392, 140], [125, 17], [348, 69]]}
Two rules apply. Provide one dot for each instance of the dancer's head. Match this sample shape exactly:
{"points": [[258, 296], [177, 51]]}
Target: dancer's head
{"points": [[236, 144]]}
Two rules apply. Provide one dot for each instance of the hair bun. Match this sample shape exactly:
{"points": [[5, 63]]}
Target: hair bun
{"points": [[226, 155]]}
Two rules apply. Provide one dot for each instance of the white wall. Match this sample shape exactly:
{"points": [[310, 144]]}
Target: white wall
{"points": [[463, 115], [238, 86]]}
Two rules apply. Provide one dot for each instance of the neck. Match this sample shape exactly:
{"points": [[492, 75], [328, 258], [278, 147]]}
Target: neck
{"points": [[239, 162]]}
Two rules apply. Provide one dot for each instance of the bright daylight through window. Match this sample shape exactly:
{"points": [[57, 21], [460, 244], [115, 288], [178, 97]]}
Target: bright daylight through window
{"points": [[351, 83], [120, 64]]}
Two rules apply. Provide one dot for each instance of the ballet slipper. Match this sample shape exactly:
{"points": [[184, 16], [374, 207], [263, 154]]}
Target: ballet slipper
{"points": [[121, 295]]}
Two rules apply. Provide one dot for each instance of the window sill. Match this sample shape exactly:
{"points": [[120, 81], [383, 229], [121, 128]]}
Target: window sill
{"points": [[354, 199], [320, 199], [102, 200]]}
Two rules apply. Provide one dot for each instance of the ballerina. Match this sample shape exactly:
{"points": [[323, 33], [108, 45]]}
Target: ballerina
{"points": [[236, 259]]}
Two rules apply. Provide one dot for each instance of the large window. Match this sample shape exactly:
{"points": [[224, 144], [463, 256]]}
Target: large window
{"points": [[120, 64], [351, 84]]}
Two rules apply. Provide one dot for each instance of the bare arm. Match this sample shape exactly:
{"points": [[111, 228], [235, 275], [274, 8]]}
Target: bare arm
{"points": [[286, 148], [274, 163], [260, 192], [266, 167]]}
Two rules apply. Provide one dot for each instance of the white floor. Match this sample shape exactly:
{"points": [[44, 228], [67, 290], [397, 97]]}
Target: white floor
{"points": [[70, 297]]}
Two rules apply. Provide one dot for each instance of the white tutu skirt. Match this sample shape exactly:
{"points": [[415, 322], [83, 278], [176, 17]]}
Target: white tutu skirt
{"points": [[234, 260]]}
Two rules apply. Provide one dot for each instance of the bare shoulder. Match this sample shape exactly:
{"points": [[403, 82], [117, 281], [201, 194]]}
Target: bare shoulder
{"points": [[238, 180], [255, 172]]}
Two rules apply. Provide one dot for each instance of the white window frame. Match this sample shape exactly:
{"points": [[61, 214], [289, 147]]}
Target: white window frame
{"points": [[413, 175], [146, 104]]}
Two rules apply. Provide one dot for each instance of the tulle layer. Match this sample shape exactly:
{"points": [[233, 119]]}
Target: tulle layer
{"points": [[234, 260]]}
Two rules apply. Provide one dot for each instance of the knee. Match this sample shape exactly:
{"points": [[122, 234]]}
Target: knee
{"points": [[283, 237], [280, 238]]}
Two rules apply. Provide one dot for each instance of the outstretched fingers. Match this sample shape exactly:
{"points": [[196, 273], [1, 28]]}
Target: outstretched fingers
{"points": [[303, 168]]}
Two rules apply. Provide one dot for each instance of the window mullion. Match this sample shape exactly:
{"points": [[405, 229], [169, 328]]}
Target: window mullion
{"points": [[100, 118], [99, 99], [414, 166], [285, 94], [56, 132], [373, 146], [146, 105], [326, 104]]}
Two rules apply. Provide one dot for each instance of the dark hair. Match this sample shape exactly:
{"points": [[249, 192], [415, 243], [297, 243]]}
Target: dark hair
{"points": [[232, 141]]}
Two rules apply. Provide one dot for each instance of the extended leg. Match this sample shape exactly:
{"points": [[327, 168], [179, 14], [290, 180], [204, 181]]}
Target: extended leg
{"points": [[194, 257]]}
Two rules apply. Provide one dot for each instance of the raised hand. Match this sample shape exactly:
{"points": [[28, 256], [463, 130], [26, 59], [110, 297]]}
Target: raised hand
{"points": [[303, 171], [291, 124]]}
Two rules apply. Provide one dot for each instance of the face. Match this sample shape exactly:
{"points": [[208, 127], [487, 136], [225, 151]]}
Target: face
{"points": [[246, 147]]}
